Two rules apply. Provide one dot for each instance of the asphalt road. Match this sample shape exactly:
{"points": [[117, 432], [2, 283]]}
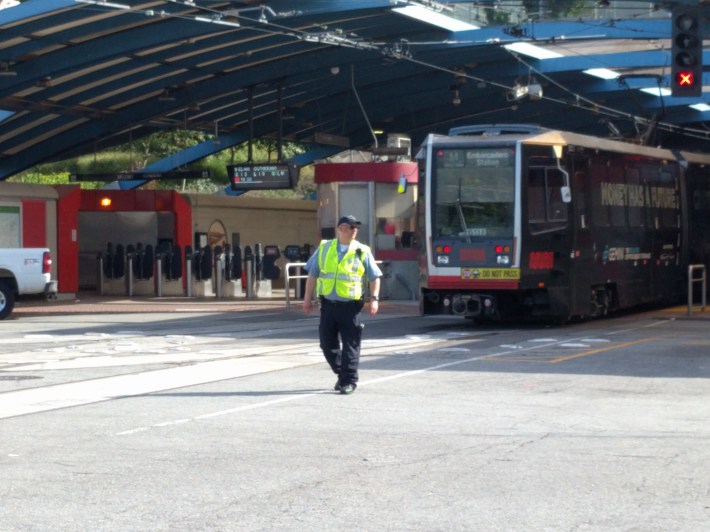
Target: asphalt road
{"points": [[219, 420]]}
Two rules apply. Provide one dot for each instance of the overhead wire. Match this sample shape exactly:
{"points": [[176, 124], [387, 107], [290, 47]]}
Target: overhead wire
{"points": [[579, 101], [597, 107]]}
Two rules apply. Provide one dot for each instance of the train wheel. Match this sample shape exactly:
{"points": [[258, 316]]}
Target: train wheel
{"points": [[559, 321], [601, 301]]}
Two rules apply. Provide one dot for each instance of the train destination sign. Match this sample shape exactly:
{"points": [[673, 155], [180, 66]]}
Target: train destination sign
{"points": [[131, 176], [262, 176]]}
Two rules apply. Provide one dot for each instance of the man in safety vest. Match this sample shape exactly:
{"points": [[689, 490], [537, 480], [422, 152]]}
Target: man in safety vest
{"points": [[337, 271]]}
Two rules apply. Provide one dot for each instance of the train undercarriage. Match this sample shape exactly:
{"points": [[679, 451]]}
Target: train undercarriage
{"points": [[534, 304]]}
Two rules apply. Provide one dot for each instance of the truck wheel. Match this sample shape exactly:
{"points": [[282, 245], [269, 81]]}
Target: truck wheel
{"points": [[7, 300]]}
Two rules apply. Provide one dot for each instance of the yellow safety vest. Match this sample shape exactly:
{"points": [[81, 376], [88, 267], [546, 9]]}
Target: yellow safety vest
{"points": [[345, 277]]}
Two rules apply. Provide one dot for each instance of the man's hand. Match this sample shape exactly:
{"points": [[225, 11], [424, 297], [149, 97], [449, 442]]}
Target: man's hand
{"points": [[308, 294], [374, 307]]}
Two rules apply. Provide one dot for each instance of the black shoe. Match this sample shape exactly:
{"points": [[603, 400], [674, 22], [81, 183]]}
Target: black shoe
{"points": [[337, 386], [347, 389]]}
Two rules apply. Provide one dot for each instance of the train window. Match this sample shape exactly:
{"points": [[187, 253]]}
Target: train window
{"points": [[670, 216], [667, 177], [536, 195], [556, 208], [648, 178], [474, 193], [701, 200], [600, 209], [546, 210], [616, 191], [635, 198]]}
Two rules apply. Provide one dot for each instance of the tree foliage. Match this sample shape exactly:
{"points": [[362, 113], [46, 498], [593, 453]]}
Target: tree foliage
{"points": [[551, 9], [142, 152]]}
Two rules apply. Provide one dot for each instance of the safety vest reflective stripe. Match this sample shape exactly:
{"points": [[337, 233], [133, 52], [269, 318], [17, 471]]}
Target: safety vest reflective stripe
{"points": [[348, 278]]}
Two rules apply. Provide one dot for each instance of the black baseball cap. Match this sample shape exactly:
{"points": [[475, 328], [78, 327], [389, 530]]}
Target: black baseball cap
{"points": [[350, 220]]}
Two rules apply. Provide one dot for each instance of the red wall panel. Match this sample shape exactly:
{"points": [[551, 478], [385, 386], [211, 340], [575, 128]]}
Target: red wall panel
{"points": [[377, 172], [70, 198], [34, 224]]}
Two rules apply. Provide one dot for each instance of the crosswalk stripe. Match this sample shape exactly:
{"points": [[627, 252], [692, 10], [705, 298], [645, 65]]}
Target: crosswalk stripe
{"points": [[41, 399]]}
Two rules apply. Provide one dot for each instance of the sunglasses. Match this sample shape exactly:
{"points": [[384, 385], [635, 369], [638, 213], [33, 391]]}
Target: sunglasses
{"points": [[353, 227]]}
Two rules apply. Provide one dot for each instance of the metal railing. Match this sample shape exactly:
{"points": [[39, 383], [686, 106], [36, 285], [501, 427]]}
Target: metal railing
{"points": [[692, 279], [287, 280]]}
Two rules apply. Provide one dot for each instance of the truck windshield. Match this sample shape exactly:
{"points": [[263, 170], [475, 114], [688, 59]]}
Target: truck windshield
{"points": [[473, 192]]}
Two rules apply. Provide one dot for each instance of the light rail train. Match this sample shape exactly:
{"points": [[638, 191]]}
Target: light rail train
{"points": [[519, 221]]}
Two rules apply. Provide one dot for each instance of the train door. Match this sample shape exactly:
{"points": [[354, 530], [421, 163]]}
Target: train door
{"points": [[637, 255], [667, 230], [546, 254], [583, 246]]}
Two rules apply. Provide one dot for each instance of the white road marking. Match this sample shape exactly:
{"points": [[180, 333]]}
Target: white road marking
{"points": [[573, 344], [80, 393], [271, 358], [378, 380], [42, 399], [297, 397], [140, 356]]}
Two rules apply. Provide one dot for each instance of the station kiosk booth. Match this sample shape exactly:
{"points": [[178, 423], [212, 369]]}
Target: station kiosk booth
{"points": [[383, 196]]}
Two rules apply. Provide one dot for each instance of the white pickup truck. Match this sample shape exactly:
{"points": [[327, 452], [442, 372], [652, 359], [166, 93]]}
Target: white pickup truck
{"points": [[24, 271]]}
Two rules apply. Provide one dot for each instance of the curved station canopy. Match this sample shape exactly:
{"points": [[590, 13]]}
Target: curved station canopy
{"points": [[78, 76]]}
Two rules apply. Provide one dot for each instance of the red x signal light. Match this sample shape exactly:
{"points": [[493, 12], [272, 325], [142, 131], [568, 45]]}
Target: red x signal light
{"points": [[685, 79]]}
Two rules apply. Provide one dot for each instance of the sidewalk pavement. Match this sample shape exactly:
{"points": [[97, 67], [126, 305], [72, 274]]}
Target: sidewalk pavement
{"points": [[90, 303]]}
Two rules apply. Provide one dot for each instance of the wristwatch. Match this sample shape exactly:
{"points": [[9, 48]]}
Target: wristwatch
{"points": [[375, 298]]}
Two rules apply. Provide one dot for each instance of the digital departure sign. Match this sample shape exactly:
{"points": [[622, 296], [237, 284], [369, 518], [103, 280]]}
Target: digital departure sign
{"points": [[269, 176]]}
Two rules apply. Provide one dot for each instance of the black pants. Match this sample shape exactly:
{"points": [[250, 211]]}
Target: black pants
{"points": [[341, 318]]}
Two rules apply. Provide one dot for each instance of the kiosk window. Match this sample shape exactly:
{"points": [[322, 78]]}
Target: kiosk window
{"points": [[9, 226]]}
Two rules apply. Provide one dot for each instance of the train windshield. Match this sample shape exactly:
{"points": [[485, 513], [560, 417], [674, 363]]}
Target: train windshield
{"points": [[473, 192]]}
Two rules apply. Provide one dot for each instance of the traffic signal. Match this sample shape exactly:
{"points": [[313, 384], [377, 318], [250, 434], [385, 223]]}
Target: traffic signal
{"points": [[687, 51]]}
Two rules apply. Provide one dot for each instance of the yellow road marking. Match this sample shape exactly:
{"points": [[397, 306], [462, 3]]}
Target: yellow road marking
{"points": [[600, 350]]}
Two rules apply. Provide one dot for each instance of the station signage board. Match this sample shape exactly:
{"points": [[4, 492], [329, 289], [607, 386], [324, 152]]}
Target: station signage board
{"points": [[268, 176]]}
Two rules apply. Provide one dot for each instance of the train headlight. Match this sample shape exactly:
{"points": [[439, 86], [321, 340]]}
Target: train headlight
{"points": [[442, 259], [503, 259]]}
